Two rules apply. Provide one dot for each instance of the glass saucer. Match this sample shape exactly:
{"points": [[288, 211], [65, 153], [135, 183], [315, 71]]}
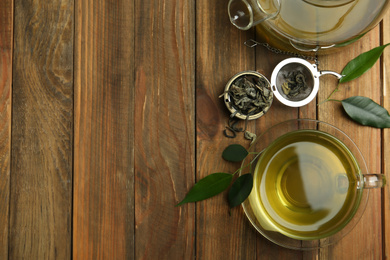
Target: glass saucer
{"points": [[255, 152]]}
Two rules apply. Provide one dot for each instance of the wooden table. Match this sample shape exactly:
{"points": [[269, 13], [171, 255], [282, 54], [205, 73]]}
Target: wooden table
{"points": [[109, 113]]}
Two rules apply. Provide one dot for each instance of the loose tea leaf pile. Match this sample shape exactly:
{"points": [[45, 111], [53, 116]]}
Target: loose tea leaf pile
{"points": [[250, 95], [294, 84]]}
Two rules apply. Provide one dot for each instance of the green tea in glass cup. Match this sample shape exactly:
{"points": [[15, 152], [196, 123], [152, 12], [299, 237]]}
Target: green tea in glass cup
{"points": [[310, 184]]}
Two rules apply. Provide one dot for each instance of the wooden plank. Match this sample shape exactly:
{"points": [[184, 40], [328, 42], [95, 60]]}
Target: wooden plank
{"points": [[6, 40], [278, 113], [164, 128], [103, 210], [266, 61], [386, 137], [220, 55], [41, 186], [365, 240], [215, 228]]}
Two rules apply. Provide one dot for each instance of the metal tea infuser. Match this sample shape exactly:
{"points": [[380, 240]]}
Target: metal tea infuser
{"points": [[296, 70], [300, 66]]}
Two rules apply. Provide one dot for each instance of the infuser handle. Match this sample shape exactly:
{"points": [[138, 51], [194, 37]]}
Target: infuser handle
{"points": [[374, 181], [324, 72]]}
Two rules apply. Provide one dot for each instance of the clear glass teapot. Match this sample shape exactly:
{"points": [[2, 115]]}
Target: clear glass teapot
{"points": [[308, 25]]}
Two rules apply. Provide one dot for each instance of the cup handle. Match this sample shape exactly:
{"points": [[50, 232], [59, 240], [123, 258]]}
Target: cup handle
{"points": [[374, 181]]}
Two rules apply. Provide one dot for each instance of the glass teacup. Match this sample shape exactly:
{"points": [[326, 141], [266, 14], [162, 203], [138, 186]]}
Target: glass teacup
{"points": [[311, 184]]}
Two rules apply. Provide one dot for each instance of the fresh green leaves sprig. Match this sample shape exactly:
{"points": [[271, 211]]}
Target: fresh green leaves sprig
{"points": [[215, 183], [208, 187], [361, 64], [363, 110]]}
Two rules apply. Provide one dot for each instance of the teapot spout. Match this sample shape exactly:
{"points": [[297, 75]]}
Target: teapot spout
{"points": [[244, 14]]}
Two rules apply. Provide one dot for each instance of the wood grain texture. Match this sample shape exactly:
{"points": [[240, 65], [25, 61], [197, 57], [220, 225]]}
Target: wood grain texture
{"points": [[109, 113], [386, 138], [266, 61], [164, 128], [41, 179], [103, 216], [365, 240], [220, 54], [6, 40]]}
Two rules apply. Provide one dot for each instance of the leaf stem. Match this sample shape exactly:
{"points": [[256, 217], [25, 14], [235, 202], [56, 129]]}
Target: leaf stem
{"points": [[336, 100], [243, 167], [331, 94]]}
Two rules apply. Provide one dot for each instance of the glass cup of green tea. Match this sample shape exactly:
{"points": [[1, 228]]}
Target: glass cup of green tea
{"points": [[310, 184]]}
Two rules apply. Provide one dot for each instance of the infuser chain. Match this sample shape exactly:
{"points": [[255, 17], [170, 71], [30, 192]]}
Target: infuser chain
{"points": [[252, 43]]}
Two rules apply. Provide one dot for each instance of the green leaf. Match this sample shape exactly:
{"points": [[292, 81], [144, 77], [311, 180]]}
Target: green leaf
{"points": [[366, 112], [234, 153], [240, 190], [343, 44], [207, 187], [362, 63]]}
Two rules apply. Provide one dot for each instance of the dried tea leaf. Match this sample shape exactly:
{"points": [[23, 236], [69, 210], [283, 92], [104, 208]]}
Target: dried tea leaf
{"points": [[294, 84], [250, 136]]}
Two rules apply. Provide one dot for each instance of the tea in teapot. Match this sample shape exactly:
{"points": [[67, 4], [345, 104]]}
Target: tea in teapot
{"points": [[308, 25]]}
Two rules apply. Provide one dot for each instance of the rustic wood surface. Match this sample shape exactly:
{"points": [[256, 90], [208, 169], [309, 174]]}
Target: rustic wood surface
{"points": [[6, 40], [385, 69], [40, 212], [103, 158], [109, 113]]}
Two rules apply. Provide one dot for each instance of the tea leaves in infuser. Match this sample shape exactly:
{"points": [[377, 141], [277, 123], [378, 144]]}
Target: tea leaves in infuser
{"points": [[366, 112], [208, 187], [250, 95], [240, 190], [234, 153], [295, 83], [362, 63]]}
